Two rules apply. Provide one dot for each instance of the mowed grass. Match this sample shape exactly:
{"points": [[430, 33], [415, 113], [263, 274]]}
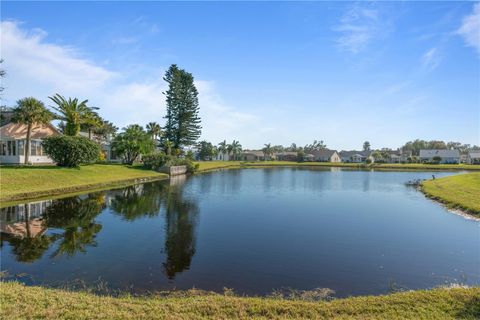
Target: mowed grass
{"points": [[21, 302], [459, 191], [37, 181], [212, 165]]}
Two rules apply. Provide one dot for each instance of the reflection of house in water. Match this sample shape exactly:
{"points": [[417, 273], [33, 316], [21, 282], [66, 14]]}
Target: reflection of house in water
{"points": [[23, 220]]}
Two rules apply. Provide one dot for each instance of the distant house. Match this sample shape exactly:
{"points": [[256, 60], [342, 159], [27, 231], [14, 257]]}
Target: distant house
{"points": [[355, 156], [252, 155], [446, 156], [473, 157], [326, 155], [286, 156], [13, 142], [396, 156]]}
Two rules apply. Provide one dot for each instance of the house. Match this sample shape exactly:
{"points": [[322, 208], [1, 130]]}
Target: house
{"points": [[473, 157], [355, 156], [396, 156], [446, 156], [326, 155], [222, 157], [252, 155], [13, 141], [286, 156]]}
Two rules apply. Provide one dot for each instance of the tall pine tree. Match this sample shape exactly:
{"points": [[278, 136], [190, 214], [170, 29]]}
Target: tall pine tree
{"points": [[182, 127]]}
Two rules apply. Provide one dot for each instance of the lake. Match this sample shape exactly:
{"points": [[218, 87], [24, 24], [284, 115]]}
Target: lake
{"points": [[252, 230]]}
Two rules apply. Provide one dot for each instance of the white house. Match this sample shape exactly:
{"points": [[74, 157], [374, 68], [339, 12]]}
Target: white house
{"points": [[446, 156], [13, 141], [356, 156], [473, 157]]}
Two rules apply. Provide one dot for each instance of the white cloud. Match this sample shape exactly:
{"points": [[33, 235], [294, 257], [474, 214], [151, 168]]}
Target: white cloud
{"points": [[431, 59], [358, 26], [470, 28], [38, 68]]}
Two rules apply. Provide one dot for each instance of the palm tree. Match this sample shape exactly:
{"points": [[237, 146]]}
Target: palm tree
{"points": [[92, 122], [235, 147], [154, 130], [168, 145], [30, 111], [73, 112], [223, 148], [267, 150]]}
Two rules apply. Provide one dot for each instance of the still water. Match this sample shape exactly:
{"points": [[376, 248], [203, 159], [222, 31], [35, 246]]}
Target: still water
{"points": [[253, 230]]}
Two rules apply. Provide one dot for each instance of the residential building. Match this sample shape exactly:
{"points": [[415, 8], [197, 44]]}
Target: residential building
{"points": [[252, 155], [445, 155], [286, 156], [326, 155], [356, 156], [473, 157], [13, 142]]}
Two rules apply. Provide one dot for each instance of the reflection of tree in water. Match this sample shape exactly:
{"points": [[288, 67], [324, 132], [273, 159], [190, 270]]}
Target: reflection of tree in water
{"points": [[181, 219], [137, 201], [76, 216], [147, 200]]}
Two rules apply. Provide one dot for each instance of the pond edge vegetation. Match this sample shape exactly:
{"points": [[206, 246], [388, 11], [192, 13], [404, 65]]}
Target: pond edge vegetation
{"points": [[20, 301]]}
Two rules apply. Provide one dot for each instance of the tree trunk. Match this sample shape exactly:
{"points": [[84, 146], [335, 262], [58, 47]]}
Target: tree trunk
{"points": [[27, 145], [89, 134]]}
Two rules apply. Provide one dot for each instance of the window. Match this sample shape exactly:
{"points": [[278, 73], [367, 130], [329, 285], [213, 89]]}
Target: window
{"points": [[21, 147], [36, 148], [3, 148], [11, 148]]}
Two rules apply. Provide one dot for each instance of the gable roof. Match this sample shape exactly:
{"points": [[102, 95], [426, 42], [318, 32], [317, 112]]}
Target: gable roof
{"points": [[474, 154], [442, 153], [324, 153], [19, 131], [348, 154]]}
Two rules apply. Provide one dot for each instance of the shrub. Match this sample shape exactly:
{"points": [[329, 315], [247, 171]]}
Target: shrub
{"points": [[68, 151], [159, 159], [155, 160]]}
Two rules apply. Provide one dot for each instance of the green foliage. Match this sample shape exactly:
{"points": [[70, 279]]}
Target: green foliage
{"points": [[157, 160], [206, 150], [154, 130], [183, 121], [30, 111], [366, 146], [235, 148], [133, 142], [69, 151], [301, 155], [267, 151], [73, 112]]}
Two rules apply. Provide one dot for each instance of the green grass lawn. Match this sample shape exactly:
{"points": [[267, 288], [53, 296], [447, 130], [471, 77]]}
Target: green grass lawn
{"points": [[21, 302], [460, 191], [36, 181]]}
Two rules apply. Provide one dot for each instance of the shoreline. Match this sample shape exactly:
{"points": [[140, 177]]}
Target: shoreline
{"points": [[211, 166]]}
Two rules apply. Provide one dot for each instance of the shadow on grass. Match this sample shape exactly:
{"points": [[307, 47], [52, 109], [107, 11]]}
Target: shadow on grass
{"points": [[471, 309]]}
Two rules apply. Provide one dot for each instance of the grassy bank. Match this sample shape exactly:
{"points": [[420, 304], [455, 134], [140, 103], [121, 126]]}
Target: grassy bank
{"points": [[213, 165], [20, 302], [459, 191], [18, 183]]}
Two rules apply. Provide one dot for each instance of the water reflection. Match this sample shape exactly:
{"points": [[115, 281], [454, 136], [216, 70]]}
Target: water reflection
{"points": [[69, 226]]}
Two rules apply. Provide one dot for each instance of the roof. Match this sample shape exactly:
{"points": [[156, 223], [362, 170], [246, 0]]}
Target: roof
{"points": [[324, 153], [257, 153], [348, 154], [286, 153], [19, 131], [442, 153], [474, 154]]}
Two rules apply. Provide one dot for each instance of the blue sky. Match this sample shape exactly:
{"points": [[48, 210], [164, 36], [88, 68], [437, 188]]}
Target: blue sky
{"points": [[267, 72]]}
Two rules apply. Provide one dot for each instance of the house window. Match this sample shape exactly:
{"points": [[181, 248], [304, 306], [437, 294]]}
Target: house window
{"points": [[36, 148], [11, 148], [21, 147], [3, 148]]}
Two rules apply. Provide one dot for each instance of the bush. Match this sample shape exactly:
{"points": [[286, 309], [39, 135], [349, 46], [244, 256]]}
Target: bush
{"points": [[157, 160], [68, 151]]}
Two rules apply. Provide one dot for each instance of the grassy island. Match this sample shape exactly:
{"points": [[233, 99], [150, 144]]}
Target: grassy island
{"points": [[20, 183], [21, 302], [457, 192]]}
